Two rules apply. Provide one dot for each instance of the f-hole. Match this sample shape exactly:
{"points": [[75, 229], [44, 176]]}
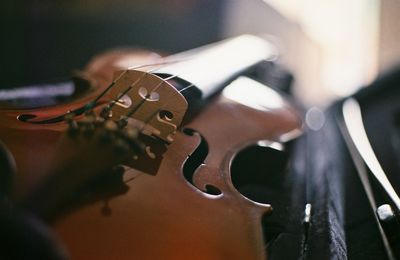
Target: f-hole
{"points": [[195, 160]]}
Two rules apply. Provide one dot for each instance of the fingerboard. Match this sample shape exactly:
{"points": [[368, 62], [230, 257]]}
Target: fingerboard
{"points": [[213, 66]]}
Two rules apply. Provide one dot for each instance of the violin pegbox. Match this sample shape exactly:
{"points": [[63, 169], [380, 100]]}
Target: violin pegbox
{"points": [[146, 102]]}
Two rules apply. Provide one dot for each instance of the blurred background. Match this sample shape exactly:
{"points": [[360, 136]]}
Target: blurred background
{"points": [[332, 47]]}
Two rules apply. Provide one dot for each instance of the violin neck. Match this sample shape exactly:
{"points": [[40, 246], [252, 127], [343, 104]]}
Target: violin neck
{"points": [[211, 67]]}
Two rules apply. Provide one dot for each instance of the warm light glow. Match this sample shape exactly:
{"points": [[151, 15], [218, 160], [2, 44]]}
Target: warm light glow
{"points": [[253, 94], [347, 32]]}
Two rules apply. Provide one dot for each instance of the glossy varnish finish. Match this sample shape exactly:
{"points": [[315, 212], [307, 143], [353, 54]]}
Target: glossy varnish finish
{"points": [[32, 145], [162, 216], [166, 217]]}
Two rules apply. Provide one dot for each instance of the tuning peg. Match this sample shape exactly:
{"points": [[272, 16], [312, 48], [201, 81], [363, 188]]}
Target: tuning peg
{"points": [[122, 122], [69, 116], [109, 128], [106, 112], [73, 126], [87, 125], [90, 114]]}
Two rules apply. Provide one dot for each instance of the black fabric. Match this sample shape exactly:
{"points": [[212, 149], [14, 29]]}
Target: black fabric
{"points": [[380, 110], [49, 39], [343, 225], [318, 178]]}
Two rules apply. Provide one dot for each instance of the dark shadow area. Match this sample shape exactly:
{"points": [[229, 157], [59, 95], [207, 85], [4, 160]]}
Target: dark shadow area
{"points": [[45, 40]]}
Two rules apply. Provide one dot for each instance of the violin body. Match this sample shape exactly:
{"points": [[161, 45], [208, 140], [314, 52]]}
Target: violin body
{"points": [[190, 207], [25, 140], [165, 217]]}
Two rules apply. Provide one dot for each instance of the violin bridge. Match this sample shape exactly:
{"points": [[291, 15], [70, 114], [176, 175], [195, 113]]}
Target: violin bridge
{"points": [[148, 103]]}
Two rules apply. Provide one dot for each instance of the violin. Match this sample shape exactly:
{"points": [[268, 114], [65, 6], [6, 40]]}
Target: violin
{"points": [[153, 161]]}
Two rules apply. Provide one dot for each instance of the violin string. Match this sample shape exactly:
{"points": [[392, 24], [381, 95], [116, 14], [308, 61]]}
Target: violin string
{"points": [[113, 102], [148, 119], [93, 102], [130, 113], [137, 107], [186, 88], [131, 86], [166, 62]]}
